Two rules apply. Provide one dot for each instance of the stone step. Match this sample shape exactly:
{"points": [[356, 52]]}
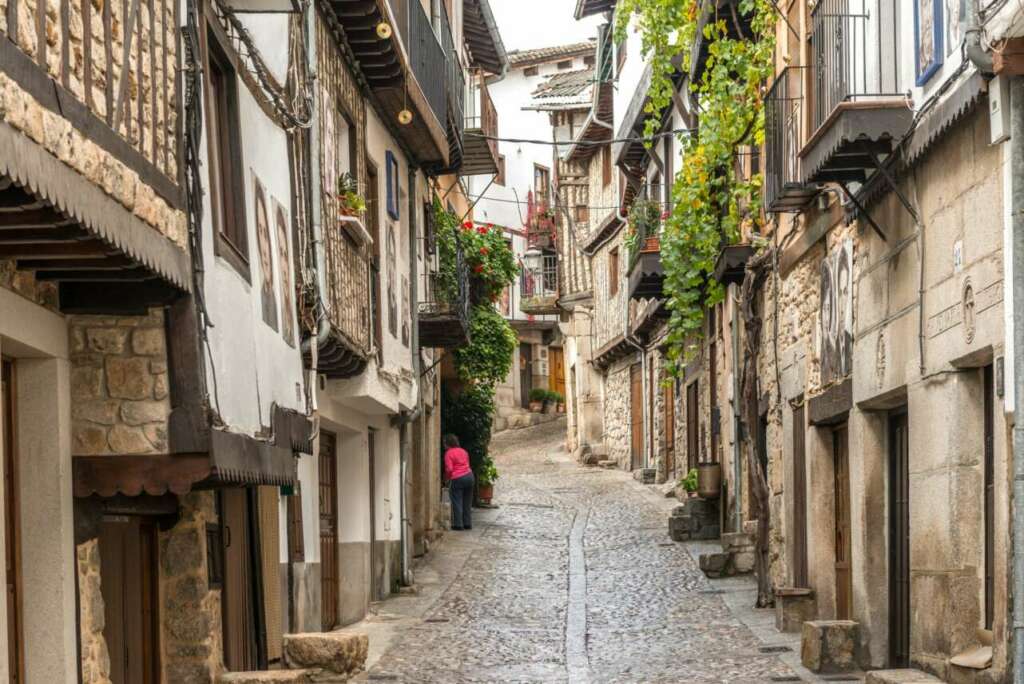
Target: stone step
{"points": [[715, 565], [904, 676], [342, 652], [829, 646], [737, 541], [608, 464], [268, 677]]}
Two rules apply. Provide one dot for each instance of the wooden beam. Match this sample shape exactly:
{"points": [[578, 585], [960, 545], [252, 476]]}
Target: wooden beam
{"points": [[27, 236], [132, 275], [56, 251], [96, 263], [115, 298], [32, 217]]}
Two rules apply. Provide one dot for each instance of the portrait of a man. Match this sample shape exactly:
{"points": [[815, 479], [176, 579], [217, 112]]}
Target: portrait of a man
{"points": [[268, 301], [285, 266], [392, 267]]}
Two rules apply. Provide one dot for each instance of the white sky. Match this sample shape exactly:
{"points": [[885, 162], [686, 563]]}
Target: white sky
{"points": [[525, 24]]}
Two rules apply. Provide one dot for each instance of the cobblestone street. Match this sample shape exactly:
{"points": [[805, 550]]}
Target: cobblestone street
{"points": [[572, 578]]}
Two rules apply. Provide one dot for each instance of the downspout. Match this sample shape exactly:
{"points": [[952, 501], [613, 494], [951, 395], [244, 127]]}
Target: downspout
{"points": [[1017, 280], [737, 466], [972, 39], [313, 343]]}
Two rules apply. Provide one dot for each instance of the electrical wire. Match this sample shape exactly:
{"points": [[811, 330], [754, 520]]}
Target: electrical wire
{"points": [[586, 143]]}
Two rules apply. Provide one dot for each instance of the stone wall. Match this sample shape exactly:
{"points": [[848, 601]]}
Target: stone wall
{"points": [[617, 414], [609, 314], [91, 615], [119, 384]]}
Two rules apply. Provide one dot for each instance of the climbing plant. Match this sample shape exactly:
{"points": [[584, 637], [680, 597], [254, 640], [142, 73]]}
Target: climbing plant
{"points": [[487, 358], [712, 202]]}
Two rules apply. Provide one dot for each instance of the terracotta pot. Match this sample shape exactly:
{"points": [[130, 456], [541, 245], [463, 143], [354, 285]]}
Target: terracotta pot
{"points": [[709, 480], [485, 493], [549, 409], [561, 408], [651, 244], [536, 406]]}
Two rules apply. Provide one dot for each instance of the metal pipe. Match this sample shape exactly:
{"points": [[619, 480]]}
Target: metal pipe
{"points": [[737, 466], [972, 39], [1017, 280]]}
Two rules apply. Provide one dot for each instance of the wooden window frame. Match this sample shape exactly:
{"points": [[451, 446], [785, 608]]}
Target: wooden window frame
{"points": [[499, 178], [531, 71], [231, 236], [606, 166], [546, 173], [614, 269], [393, 191]]}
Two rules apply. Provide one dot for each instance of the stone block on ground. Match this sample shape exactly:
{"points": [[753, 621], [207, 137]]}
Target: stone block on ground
{"points": [[793, 607], [591, 459], [679, 527], [904, 676], [341, 652], [743, 562], [829, 646], [645, 475], [599, 450], [715, 565], [267, 677], [737, 541], [609, 464]]}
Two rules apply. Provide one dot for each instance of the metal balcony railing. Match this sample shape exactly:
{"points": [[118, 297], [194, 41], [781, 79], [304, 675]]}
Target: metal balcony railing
{"points": [[855, 56], [784, 184], [445, 292], [486, 120], [428, 57], [542, 282]]}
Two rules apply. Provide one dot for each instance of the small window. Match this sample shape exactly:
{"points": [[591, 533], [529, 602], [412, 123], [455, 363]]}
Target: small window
{"points": [[214, 556], [530, 71], [613, 272], [541, 183], [296, 540], [582, 214], [606, 165], [391, 163], [589, 60], [226, 159], [564, 65], [500, 178]]}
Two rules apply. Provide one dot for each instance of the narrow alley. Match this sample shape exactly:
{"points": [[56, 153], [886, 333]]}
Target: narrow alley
{"points": [[572, 578]]}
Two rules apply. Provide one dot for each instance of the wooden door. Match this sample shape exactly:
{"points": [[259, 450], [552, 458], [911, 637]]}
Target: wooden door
{"points": [[692, 430], [800, 573], [241, 644], [669, 429], [525, 375], [128, 562], [843, 566], [556, 361], [329, 578], [636, 408], [899, 542], [990, 495], [12, 522]]}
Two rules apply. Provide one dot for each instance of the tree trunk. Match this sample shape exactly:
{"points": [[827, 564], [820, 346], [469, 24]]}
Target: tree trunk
{"points": [[758, 269]]}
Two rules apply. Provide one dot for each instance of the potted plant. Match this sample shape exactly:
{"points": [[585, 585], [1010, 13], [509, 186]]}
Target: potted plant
{"points": [[550, 401], [538, 397], [689, 483], [645, 218], [559, 402], [709, 480], [485, 480], [350, 202]]}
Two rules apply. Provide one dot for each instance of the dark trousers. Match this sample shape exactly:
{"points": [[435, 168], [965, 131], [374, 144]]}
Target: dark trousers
{"points": [[461, 492]]}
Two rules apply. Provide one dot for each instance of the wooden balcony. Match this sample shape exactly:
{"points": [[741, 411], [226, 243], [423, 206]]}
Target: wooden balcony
{"points": [[348, 303], [90, 197], [538, 290], [646, 275], [860, 113], [731, 265], [408, 69], [480, 151]]}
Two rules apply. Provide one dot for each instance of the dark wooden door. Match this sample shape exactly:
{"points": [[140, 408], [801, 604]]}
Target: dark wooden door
{"points": [[128, 558], [329, 578], [899, 542], [669, 429], [843, 566], [800, 578], [636, 408], [241, 643], [556, 360], [692, 430], [525, 373], [990, 496], [12, 523]]}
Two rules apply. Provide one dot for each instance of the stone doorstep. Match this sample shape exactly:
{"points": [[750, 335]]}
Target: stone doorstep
{"points": [[737, 541], [268, 677], [905, 676], [829, 646], [608, 464], [342, 652], [793, 607]]}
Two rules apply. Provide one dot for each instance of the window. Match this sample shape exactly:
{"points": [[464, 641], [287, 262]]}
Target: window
{"points": [[564, 65], [500, 178], [613, 272], [391, 164], [589, 60], [582, 214], [530, 71], [541, 183], [606, 165], [226, 159]]}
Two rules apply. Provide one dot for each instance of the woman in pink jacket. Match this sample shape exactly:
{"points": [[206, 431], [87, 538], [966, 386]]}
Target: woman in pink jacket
{"points": [[460, 483]]}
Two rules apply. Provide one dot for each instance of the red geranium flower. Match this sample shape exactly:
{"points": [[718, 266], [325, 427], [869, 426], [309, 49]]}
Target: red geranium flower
{"points": [[468, 225], [664, 216], [479, 268], [482, 230], [484, 251]]}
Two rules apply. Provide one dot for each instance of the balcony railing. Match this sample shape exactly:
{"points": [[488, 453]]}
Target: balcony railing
{"points": [[486, 119], [855, 59], [348, 289], [444, 309], [456, 81], [785, 189], [538, 289]]}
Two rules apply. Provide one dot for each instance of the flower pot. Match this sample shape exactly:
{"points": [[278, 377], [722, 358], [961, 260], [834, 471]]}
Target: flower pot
{"points": [[709, 480], [485, 493], [549, 409], [651, 245], [560, 408], [536, 406]]}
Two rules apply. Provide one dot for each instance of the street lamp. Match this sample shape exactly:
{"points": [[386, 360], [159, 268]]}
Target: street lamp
{"points": [[533, 260]]}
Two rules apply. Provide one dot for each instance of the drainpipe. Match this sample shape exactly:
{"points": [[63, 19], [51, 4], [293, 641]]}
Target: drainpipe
{"points": [[972, 39], [737, 466], [312, 344], [1017, 280]]}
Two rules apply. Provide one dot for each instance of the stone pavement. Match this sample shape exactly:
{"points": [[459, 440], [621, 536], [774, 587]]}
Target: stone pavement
{"points": [[572, 579]]}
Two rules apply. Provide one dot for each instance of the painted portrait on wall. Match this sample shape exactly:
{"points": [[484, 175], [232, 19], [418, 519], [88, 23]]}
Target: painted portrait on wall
{"points": [[392, 267], [406, 321], [955, 17], [835, 332], [268, 300], [329, 147], [285, 268], [928, 38]]}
